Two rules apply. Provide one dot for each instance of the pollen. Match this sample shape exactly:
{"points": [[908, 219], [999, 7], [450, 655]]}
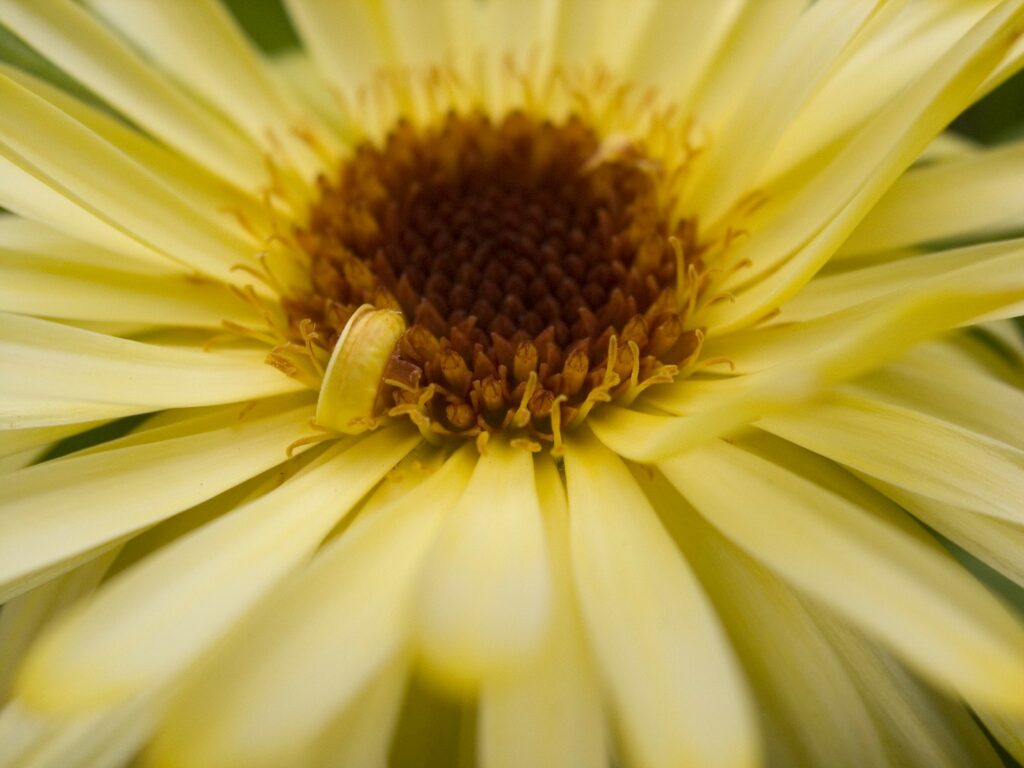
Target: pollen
{"points": [[537, 268]]}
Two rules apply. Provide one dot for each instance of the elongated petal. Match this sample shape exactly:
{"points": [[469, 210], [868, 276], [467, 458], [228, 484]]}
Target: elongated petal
{"points": [[56, 511], [27, 196], [63, 154], [923, 454], [920, 728], [673, 679], [362, 735], [78, 43], [800, 63], [550, 715], [830, 294], [26, 615], [930, 611], [345, 66], [53, 374], [811, 712], [28, 285], [673, 52], [932, 379], [203, 47], [130, 638], [795, 362], [919, 208], [919, 36], [793, 247], [279, 682], [484, 603], [31, 740], [997, 543]]}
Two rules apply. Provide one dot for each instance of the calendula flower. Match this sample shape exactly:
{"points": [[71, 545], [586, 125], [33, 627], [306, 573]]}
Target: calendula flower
{"points": [[526, 383]]}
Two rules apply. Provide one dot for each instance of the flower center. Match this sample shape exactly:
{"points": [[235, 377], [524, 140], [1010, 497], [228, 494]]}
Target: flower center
{"points": [[536, 270]]}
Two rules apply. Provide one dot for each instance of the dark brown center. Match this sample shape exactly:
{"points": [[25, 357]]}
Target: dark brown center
{"points": [[535, 272]]}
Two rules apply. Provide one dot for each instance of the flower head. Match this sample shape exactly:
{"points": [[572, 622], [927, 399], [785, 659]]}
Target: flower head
{"points": [[518, 383]]}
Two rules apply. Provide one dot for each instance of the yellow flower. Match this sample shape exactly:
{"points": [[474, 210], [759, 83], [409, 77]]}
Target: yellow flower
{"points": [[618, 404]]}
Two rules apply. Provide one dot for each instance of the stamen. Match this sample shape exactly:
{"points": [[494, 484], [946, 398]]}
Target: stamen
{"points": [[537, 267]]}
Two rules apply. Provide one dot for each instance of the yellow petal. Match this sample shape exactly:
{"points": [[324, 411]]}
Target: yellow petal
{"points": [[673, 679], [53, 374], [828, 294], [26, 615], [936, 616], [279, 681], [679, 40], [81, 45], [550, 715], [53, 512], [63, 154], [802, 60], [795, 362], [811, 712], [131, 638], [347, 66], [810, 226], [484, 602], [920, 209], [920, 728], [997, 543], [922, 454], [919, 37], [200, 43]]}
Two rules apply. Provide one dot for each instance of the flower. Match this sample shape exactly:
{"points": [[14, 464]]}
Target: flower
{"points": [[618, 394]]}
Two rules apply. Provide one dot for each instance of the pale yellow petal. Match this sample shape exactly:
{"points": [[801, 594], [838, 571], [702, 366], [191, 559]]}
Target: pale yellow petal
{"points": [[25, 195], [361, 736], [599, 29], [921, 728], [68, 157], [484, 602], [14, 441], [828, 294], [801, 62], [208, 197], [278, 682], [932, 379], [930, 611], [677, 43], [550, 715], [809, 227], [62, 289], [366, 49], [920, 36], [95, 740], [811, 712], [997, 543], [54, 374], [922, 454], [130, 638], [964, 197], [199, 44], [65, 33], [675, 685], [756, 34], [25, 616], [792, 363], [54, 512]]}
